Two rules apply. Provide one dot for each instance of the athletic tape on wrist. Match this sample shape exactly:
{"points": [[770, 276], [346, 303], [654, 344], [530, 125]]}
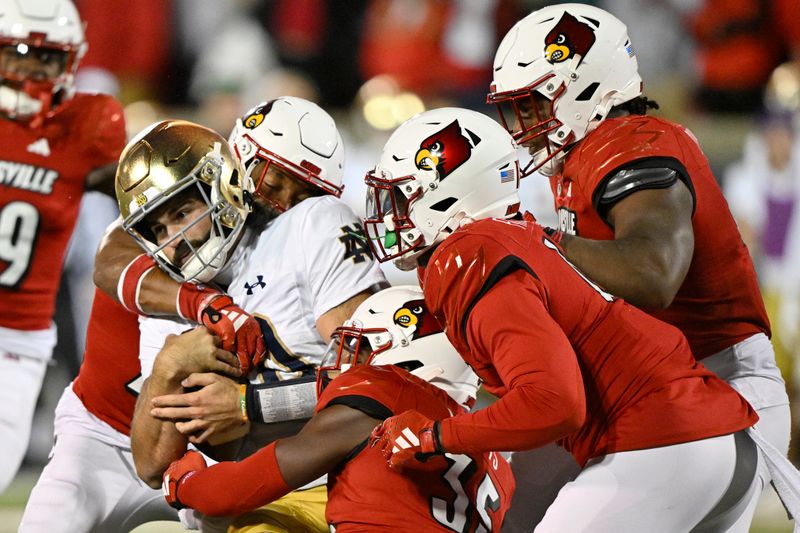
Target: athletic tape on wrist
{"points": [[192, 299], [130, 282], [293, 399], [243, 402]]}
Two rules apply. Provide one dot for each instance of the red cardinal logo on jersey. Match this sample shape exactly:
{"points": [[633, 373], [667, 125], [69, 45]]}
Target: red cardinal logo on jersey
{"points": [[415, 315], [445, 150], [568, 38], [255, 117]]}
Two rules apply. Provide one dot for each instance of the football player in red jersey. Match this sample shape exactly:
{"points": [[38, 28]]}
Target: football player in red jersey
{"points": [[639, 210], [89, 483], [54, 144], [658, 436], [390, 357]]}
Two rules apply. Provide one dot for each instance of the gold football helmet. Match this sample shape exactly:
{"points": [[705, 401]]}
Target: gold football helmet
{"points": [[174, 157]]}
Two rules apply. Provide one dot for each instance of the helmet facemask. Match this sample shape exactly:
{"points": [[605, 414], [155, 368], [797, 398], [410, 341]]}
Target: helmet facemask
{"points": [[528, 114], [350, 346], [388, 227]]}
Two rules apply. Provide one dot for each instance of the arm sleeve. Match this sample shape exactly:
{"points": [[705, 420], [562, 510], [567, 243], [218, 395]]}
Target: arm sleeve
{"points": [[536, 363], [230, 489], [338, 260]]}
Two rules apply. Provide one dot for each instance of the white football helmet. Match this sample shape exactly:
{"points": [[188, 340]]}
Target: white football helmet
{"points": [[173, 157], [563, 68], [47, 31], [393, 327], [294, 134], [439, 170]]}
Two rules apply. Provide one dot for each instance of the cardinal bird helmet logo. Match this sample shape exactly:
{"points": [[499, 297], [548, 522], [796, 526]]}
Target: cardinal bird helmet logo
{"points": [[255, 117], [445, 150], [415, 316], [568, 38]]}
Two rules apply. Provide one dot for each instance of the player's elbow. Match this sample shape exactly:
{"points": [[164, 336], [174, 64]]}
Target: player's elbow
{"points": [[572, 413], [104, 280], [656, 294]]}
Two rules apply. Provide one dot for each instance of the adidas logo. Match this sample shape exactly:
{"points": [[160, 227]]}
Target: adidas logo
{"points": [[40, 147]]}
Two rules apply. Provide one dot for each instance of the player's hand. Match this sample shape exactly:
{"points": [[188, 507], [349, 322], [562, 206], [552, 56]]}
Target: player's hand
{"points": [[406, 440], [240, 332], [196, 350], [177, 473], [211, 413]]}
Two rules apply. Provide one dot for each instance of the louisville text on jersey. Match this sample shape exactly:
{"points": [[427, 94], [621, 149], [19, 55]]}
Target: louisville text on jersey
{"points": [[27, 177], [567, 221]]}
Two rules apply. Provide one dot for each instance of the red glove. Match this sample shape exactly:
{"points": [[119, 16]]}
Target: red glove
{"points": [[238, 330], [407, 439], [177, 474]]}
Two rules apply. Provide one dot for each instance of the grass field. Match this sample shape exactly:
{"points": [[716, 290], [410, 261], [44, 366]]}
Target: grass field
{"points": [[770, 516]]}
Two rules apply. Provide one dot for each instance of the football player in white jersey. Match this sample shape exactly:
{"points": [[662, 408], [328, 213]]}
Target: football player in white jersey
{"points": [[296, 294], [127, 275]]}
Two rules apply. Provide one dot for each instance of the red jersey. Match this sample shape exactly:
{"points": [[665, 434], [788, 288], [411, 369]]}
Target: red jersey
{"points": [[109, 379], [562, 353], [453, 492], [719, 303], [42, 179]]}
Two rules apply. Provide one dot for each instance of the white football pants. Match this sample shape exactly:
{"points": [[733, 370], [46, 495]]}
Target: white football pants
{"points": [[20, 382]]}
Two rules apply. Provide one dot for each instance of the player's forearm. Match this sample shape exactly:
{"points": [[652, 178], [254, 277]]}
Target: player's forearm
{"points": [[157, 294], [523, 419], [155, 443], [230, 489], [639, 269]]}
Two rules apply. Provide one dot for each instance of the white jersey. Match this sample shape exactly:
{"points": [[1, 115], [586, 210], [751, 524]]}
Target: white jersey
{"points": [[309, 260]]}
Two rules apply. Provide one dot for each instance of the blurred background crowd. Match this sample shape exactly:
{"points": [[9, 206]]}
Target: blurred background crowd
{"points": [[727, 69]]}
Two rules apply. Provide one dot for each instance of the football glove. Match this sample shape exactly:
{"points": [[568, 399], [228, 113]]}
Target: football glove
{"points": [[407, 439], [177, 473], [240, 333]]}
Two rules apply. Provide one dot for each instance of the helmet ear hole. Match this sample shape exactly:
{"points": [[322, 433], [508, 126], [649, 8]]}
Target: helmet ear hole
{"points": [[444, 205], [410, 366], [587, 93]]}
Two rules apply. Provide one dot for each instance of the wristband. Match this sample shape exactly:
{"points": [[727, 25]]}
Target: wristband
{"points": [[292, 399], [243, 402], [130, 282], [192, 299]]}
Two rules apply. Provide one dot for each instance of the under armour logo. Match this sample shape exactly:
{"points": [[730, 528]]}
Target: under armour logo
{"points": [[40, 147], [259, 283]]}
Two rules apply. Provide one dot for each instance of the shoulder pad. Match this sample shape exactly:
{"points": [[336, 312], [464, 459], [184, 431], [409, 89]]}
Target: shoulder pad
{"points": [[619, 141]]}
